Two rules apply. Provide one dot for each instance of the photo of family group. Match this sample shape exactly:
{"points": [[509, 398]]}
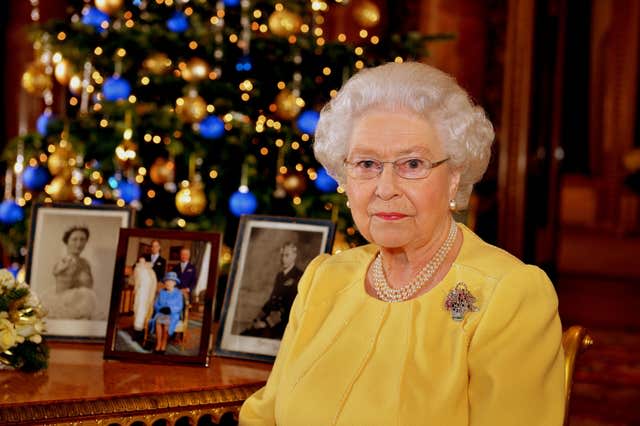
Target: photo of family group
{"points": [[163, 294]]}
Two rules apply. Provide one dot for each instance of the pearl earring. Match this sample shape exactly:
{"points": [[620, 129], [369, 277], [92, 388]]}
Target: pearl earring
{"points": [[452, 204]]}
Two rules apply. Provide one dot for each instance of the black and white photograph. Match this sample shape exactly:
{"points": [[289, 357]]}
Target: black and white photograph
{"points": [[71, 265], [269, 258], [163, 295]]}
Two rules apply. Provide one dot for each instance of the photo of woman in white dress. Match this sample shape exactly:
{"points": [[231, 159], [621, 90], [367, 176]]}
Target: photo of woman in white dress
{"points": [[74, 296]]}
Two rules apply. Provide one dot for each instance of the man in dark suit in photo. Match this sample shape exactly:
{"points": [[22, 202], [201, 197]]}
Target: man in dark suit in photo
{"points": [[158, 263], [186, 272]]}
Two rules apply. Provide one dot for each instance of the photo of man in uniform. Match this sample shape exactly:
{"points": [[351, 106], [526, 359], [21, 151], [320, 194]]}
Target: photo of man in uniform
{"points": [[272, 319]]}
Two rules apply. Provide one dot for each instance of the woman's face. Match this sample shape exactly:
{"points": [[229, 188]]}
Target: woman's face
{"points": [[169, 284], [76, 242], [389, 210]]}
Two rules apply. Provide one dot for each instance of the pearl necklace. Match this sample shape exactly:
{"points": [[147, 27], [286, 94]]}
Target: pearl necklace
{"points": [[389, 294]]}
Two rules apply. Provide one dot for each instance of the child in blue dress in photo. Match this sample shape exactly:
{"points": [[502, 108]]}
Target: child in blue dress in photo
{"points": [[168, 308]]}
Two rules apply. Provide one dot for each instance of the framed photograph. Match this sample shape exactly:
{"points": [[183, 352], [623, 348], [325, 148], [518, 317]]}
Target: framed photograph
{"points": [[70, 265], [269, 257], [162, 310]]}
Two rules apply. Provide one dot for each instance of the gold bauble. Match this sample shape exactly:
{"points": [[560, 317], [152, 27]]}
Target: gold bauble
{"points": [[63, 72], [287, 106], [109, 6], [284, 23], [75, 84], [367, 14], [61, 189], [157, 63], [58, 162], [340, 243], [192, 108], [190, 200], [162, 171], [197, 69], [126, 154], [294, 183], [35, 80]]}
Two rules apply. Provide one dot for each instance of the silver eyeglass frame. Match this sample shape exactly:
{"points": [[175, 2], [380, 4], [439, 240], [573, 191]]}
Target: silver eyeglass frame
{"points": [[348, 164]]}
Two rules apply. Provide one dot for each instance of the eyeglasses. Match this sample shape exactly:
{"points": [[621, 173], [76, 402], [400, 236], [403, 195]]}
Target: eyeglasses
{"points": [[407, 168]]}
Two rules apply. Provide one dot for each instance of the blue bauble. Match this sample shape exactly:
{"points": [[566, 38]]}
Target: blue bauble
{"points": [[116, 88], [129, 191], [94, 18], [178, 23], [35, 177], [244, 64], [324, 182], [42, 123], [10, 212], [307, 121], [212, 127], [232, 3], [242, 203]]}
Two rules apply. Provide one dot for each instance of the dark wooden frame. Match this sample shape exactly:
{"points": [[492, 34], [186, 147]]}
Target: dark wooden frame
{"points": [[202, 357], [236, 275], [34, 229]]}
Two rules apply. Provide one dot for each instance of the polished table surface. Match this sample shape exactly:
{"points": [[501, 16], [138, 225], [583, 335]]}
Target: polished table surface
{"points": [[77, 373]]}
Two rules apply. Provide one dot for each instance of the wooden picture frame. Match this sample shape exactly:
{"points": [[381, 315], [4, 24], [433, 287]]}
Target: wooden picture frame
{"points": [[70, 265], [269, 257], [146, 310]]}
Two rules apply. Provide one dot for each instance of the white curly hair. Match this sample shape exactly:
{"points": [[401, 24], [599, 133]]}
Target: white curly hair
{"points": [[463, 127]]}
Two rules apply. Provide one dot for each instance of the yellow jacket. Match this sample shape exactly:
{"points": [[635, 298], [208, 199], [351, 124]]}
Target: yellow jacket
{"points": [[347, 358]]}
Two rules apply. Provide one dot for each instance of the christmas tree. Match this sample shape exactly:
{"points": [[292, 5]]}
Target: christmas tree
{"points": [[194, 112]]}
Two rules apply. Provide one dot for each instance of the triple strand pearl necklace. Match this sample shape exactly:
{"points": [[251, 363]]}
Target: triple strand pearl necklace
{"points": [[389, 294]]}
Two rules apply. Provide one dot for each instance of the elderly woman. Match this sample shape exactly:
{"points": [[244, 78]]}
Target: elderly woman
{"points": [[428, 324]]}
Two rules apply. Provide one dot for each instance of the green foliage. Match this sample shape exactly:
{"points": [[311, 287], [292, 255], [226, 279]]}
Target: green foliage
{"points": [[29, 356]]}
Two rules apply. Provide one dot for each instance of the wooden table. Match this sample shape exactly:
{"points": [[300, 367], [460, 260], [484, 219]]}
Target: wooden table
{"points": [[80, 387]]}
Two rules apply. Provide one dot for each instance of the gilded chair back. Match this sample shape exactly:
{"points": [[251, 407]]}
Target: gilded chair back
{"points": [[575, 339]]}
